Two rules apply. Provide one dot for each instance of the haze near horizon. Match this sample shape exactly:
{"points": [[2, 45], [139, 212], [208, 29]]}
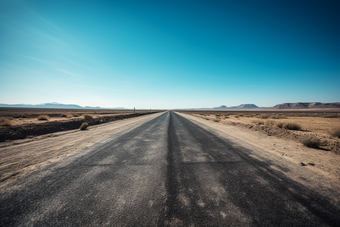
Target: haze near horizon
{"points": [[169, 54]]}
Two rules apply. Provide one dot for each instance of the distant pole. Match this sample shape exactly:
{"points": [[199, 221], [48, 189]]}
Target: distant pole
{"points": [[134, 110]]}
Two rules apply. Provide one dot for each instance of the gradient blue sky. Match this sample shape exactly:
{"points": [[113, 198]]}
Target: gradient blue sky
{"points": [[169, 54]]}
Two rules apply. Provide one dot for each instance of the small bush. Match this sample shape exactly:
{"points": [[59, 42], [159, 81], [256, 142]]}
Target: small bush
{"points": [[63, 115], [278, 116], [264, 116], [43, 117], [217, 120], [292, 126], [279, 124], [84, 126], [87, 116], [5, 122], [335, 132], [331, 116], [258, 122], [75, 115], [69, 116], [269, 122], [311, 142]]}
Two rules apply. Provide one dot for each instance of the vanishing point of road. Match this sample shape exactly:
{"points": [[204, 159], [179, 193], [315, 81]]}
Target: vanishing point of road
{"points": [[168, 171]]}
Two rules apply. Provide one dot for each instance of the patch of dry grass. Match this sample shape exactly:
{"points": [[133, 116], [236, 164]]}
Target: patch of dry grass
{"points": [[69, 116], [5, 122], [258, 122], [264, 116], [292, 126], [335, 132], [43, 117], [311, 142], [269, 122], [84, 126], [87, 116], [278, 116], [279, 124], [331, 116]]}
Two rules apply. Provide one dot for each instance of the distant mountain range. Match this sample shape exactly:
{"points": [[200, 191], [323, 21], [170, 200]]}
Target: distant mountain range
{"points": [[56, 105], [298, 105], [307, 105], [242, 106]]}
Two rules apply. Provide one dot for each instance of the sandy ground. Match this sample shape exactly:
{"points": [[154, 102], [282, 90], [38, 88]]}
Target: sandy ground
{"points": [[34, 120], [310, 124], [325, 163], [22, 156]]}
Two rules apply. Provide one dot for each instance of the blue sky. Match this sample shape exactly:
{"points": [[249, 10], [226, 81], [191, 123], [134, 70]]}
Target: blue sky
{"points": [[169, 54]]}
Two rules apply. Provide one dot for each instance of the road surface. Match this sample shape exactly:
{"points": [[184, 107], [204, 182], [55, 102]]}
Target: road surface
{"points": [[168, 171]]}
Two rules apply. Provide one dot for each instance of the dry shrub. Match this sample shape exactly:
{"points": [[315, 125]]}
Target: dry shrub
{"points": [[335, 132], [87, 116], [279, 124], [217, 120], [311, 142], [69, 116], [264, 116], [43, 117], [75, 115], [236, 116], [278, 116], [331, 116], [292, 126], [269, 122], [225, 117], [5, 122], [84, 126], [63, 115], [258, 122]]}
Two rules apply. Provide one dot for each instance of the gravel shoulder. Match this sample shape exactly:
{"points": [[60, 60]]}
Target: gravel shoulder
{"points": [[20, 157]]}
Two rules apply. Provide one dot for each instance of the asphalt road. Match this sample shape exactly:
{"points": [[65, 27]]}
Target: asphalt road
{"points": [[167, 171]]}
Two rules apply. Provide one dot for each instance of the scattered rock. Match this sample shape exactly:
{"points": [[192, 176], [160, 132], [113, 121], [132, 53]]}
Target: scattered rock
{"points": [[312, 164], [303, 164]]}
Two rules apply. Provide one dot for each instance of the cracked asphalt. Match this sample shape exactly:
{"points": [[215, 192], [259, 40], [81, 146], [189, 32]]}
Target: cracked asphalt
{"points": [[168, 171]]}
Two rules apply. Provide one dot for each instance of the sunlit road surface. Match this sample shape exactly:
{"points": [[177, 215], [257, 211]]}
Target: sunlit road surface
{"points": [[168, 171]]}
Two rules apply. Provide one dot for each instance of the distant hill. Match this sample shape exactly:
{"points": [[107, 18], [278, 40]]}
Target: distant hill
{"points": [[242, 106], [307, 105], [55, 105]]}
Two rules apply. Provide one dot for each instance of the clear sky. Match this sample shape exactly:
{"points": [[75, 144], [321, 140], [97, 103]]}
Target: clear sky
{"points": [[169, 54]]}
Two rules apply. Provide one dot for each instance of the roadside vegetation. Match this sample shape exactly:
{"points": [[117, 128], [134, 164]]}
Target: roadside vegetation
{"points": [[311, 142], [43, 117], [87, 117], [335, 132], [319, 129], [84, 126], [5, 122]]}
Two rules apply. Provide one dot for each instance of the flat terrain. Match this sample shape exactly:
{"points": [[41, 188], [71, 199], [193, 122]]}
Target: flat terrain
{"points": [[317, 124], [170, 169], [20, 123]]}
